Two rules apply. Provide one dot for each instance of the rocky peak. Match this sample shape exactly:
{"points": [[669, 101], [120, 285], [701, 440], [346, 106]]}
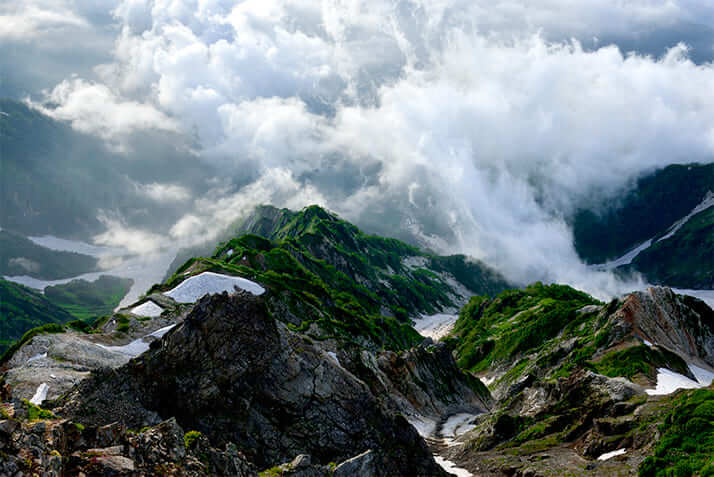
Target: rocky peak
{"points": [[681, 324], [237, 375]]}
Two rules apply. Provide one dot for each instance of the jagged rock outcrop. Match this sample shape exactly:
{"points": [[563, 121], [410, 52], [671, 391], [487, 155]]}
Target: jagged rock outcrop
{"points": [[53, 447], [423, 383], [61, 360], [237, 375], [681, 324]]}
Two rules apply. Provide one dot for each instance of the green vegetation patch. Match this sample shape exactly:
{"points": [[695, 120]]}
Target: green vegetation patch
{"points": [[191, 438], [639, 360], [21, 309], [517, 322], [123, 322], [686, 445], [87, 300], [35, 413]]}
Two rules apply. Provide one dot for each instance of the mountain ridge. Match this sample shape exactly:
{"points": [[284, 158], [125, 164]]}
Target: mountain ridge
{"points": [[547, 376]]}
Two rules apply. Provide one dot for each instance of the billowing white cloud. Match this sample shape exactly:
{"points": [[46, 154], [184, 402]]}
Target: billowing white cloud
{"points": [[478, 126], [213, 214], [26, 21], [164, 192], [94, 108], [122, 236]]}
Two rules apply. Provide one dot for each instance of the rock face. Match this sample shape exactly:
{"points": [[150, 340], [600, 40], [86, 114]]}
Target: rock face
{"points": [[423, 383], [61, 360], [237, 375], [56, 447], [681, 324]]}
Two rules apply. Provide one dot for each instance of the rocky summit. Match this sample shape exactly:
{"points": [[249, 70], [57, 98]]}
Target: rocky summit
{"points": [[235, 374]]}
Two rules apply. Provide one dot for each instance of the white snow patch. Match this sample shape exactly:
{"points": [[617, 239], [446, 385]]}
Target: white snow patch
{"points": [[648, 343], [707, 202], [148, 308], [195, 287], [161, 331], [669, 381], [704, 376], [424, 426], [36, 357], [138, 346], [333, 355], [610, 455], [435, 326], [458, 424], [488, 381], [626, 259], [449, 466], [40, 394]]}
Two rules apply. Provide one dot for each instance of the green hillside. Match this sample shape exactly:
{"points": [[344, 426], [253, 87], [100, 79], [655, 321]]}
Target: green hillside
{"points": [[685, 260], [21, 309], [607, 231], [361, 285], [86, 300]]}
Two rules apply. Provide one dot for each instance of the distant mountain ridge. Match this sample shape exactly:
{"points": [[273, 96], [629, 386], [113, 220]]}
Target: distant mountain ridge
{"points": [[683, 257], [655, 202], [20, 256]]}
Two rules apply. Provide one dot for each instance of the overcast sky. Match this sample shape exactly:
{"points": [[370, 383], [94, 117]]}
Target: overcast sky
{"points": [[477, 126]]}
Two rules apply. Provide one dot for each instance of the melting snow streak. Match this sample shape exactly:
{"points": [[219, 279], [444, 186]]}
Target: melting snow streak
{"points": [[40, 394]]}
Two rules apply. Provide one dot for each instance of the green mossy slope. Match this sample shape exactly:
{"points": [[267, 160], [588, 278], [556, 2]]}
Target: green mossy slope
{"points": [[519, 322], [21, 309], [361, 286], [86, 300]]}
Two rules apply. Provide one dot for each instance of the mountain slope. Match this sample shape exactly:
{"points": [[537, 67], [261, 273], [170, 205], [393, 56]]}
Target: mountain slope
{"points": [[40, 191], [278, 400], [357, 283], [649, 208], [661, 228], [21, 309], [302, 343], [318, 357], [574, 380], [21, 256], [56, 180], [686, 259], [372, 259], [86, 300]]}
